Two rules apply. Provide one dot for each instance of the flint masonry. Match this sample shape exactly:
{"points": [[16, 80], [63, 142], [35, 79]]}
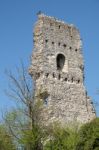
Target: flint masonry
{"points": [[57, 68]]}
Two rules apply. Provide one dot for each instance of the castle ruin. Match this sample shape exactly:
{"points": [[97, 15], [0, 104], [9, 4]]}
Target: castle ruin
{"points": [[57, 68]]}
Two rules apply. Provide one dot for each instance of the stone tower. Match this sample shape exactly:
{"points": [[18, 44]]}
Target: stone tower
{"points": [[58, 70]]}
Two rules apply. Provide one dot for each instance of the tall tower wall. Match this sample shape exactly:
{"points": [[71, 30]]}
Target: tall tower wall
{"points": [[58, 70]]}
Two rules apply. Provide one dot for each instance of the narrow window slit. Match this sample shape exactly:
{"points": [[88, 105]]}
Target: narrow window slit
{"points": [[46, 101], [53, 43], [59, 76], [46, 41], [53, 75], [50, 24], [59, 44], [70, 47], [47, 74], [78, 81], [37, 75], [65, 79], [72, 80], [64, 45]]}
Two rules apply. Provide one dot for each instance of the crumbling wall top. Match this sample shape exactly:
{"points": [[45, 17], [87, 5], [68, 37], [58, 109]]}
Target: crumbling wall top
{"points": [[54, 19]]}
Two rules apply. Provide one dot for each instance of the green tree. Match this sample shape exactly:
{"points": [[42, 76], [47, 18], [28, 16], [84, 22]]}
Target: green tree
{"points": [[6, 142], [89, 136], [22, 122], [62, 138], [32, 138]]}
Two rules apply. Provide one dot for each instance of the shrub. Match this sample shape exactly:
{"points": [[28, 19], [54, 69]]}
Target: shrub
{"points": [[62, 139], [89, 136], [31, 138], [6, 142]]}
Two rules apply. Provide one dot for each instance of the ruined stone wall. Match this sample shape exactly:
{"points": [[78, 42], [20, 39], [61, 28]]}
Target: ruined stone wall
{"points": [[58, 69]]}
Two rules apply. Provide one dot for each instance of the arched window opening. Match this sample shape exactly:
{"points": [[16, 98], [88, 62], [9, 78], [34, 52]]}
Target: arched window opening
{"points": [[60, 61]]}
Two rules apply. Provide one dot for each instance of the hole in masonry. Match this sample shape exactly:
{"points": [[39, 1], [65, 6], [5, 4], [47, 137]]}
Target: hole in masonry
{"points": [[59, 76], [65, 79], [81, 67], [53, 43], [60, 60], [72, 80], [51, 24], [78, 81], [47, 74], [53, 75], [37, 75], [44, 96], [64, 45], [46, 101], [59, 44], [70, 47], [46, 41]]}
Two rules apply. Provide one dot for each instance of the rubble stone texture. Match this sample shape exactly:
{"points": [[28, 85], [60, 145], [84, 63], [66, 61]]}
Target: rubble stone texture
{"points": [[57, 68]]}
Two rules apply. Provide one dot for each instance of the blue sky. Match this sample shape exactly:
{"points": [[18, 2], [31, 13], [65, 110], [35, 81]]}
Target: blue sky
{"points": [[17, 18]]}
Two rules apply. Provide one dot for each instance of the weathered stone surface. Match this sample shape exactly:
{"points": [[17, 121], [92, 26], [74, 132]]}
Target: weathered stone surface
{"points": [[58, 69]]}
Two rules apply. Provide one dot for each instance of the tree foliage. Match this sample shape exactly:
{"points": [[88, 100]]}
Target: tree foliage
{"points": [[32, 138], [62, 138], [24, 126], [89, 136], [86, 138], [6, 142], [22, 121]]}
